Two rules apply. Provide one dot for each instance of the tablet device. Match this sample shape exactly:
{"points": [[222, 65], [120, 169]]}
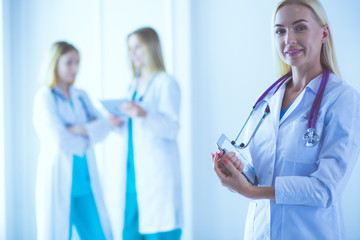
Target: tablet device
{"points": [[225, 145], [112, 106]]}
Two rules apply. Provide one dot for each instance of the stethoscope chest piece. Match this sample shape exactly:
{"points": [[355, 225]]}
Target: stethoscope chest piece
{"points": [[311, 138]]}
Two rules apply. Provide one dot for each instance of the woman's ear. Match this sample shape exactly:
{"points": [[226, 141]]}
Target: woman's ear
{"points": [[326, 32]]}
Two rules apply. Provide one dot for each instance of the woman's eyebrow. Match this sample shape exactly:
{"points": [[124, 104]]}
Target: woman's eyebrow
{"points": [[297, 21]]}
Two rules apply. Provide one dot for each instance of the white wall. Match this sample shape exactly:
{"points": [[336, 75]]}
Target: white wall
{"points": [[2, 155], [220, 52]]}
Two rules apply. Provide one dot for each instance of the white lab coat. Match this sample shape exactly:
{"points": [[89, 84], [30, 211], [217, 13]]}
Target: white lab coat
{"points": [[57, 148], [308, 181], [156, 160]]}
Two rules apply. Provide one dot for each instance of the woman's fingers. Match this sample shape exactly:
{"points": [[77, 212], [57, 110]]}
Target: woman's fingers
{"points": [[228, 169], [215, 157], [221, 158], [241, 166], [218, 171], [231, 168], [224, 170], [114, 120], [132, 109], [235, 161]]}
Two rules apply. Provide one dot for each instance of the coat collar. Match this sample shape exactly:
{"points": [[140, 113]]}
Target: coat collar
{"points": [[314, 84], [144, 90], [60, 93], [311, 88]]}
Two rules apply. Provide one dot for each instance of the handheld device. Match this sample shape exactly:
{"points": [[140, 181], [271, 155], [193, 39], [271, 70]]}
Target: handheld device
{"points": [[225, 145], [112, 106]]}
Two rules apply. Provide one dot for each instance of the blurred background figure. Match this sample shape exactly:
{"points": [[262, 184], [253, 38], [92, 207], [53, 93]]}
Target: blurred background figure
{"points": [[68, 191], [152, 188]]}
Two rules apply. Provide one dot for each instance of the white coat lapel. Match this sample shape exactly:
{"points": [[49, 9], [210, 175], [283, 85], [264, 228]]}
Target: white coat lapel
{"points": [[275, 103], [293, 106], [312, 87], [263, 150]]}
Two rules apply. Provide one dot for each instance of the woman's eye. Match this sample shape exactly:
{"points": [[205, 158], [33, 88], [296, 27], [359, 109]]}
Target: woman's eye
{"points": [[279, 31], [300, 28]]}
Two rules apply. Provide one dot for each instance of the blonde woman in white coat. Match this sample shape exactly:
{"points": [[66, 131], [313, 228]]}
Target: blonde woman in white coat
{"points": [[307, 146], [68, 191], [150, 167]]}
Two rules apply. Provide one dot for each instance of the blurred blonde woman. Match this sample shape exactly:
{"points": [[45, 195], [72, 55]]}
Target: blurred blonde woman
{"points": [[151, 209], [68, 191]]}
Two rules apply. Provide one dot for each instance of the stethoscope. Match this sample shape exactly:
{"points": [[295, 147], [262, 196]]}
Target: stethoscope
{"points": [[310, 137], [56, 95], [137, 76]]}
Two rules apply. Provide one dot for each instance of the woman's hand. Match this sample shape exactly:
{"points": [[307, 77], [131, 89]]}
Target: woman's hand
{"points": [[132, 109], [77, 130], [232, 157], [115, 121], [228, 168]]}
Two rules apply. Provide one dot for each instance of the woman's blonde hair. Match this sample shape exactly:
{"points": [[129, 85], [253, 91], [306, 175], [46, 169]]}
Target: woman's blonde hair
{"points": [[57, 50], [327, 56], [150, 39]]}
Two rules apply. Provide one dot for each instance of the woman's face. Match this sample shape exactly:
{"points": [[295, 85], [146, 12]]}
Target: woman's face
{"points": [[298, 36], [137, 52], [67, 67]]}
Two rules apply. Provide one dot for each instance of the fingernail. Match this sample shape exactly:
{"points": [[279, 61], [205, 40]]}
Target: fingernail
{"points": [[212, 155], [225, 160]]}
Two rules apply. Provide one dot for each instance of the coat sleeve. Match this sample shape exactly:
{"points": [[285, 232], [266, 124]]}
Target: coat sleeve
{"points": [[163, 121], [337, 157], [50, 127], [99, 128]]}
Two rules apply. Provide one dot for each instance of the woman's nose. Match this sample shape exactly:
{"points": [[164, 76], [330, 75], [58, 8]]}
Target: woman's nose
{"points": [[132, 53], [74, 68], [290, 38]]}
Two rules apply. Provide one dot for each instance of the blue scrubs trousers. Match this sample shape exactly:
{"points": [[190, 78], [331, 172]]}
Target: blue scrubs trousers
{"points": [[131, 223], [83, 212]]}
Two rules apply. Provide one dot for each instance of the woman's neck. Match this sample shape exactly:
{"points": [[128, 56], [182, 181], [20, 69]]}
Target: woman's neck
{"points": [[300, 79], [144, 77], [65, 88], [145, 73], [302, 76]]}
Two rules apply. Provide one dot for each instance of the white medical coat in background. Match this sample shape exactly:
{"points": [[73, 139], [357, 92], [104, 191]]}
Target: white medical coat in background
{"points": [[308, 181], [57, 147], [156, 161]]}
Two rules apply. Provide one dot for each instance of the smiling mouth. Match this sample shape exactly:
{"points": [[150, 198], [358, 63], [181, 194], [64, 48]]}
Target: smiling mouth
{"points": [[292, 52]]}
